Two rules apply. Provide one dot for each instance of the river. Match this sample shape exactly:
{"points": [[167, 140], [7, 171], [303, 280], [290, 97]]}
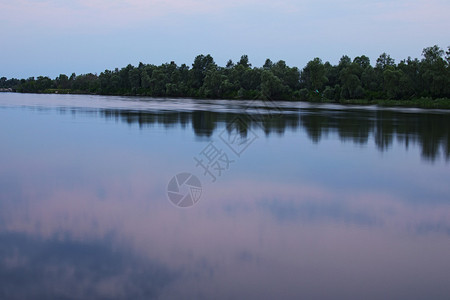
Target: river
{"points": [[138, 198]]}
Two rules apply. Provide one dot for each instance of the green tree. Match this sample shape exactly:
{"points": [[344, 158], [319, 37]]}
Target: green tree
{"points": [[362, 61], [434, 72], [134, 77], [350, 78], [244, 62], [62, 82], [351, 85], [158, 82], [267, 64], [212, 85], [145, 79], [411, 83], [199, 67], [370, 82], [289, 76], [384, 61], [43, 83], [344, 62], [447, 55], [392, 79], [313, 75], [332, 74], [271, 86]]}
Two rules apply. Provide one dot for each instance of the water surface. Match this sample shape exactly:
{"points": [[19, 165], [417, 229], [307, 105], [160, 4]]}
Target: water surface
{"points": [[316, 201]]}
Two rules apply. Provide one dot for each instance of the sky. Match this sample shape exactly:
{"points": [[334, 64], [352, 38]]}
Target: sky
{"points": [[52, 37]]}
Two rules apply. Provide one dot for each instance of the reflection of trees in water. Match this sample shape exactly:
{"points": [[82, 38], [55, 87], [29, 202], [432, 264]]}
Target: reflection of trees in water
{"points": [[431, 131], [356, 128], [204, 122], [433, 135], [315, 125], [384, 129]]}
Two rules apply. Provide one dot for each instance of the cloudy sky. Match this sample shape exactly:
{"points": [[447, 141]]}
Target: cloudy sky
{"points": [[49, 37]]}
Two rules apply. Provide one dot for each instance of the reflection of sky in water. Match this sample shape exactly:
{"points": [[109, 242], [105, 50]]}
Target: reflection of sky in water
{"points": [[83, 209], [75, 269]]}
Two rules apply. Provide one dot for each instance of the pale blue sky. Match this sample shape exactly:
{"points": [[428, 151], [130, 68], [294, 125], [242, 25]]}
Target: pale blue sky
{"points": [[49, 37]]}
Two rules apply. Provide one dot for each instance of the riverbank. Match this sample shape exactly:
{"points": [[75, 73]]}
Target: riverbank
{"points": [[417, 103], [426, 103]]}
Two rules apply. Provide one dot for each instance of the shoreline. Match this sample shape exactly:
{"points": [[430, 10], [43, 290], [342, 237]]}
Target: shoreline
{"points": [[414, 103], [424, 103]]}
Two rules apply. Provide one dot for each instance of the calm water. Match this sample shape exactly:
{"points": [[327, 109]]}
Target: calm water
{"points": [[297, 201]]}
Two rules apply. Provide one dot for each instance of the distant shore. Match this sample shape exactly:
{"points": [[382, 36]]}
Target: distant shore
{"points": [[421, 83], [416, 103]]}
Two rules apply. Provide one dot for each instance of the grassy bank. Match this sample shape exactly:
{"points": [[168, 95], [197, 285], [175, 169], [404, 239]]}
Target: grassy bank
{"points": [[418, 103]]}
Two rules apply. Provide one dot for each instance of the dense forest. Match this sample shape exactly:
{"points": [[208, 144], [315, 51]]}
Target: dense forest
{"points": [[428, 77]]}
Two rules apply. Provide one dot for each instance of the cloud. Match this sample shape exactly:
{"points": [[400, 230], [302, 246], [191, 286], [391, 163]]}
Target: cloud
{"points": [[67, 269], [108, 15], [98, 34]]}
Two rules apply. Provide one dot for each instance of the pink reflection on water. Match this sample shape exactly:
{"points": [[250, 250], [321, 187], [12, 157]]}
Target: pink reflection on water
{"points": [[236, 234]]}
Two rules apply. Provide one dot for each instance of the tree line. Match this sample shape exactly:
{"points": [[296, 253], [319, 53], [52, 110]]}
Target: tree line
{"points": [[428, 77]]}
